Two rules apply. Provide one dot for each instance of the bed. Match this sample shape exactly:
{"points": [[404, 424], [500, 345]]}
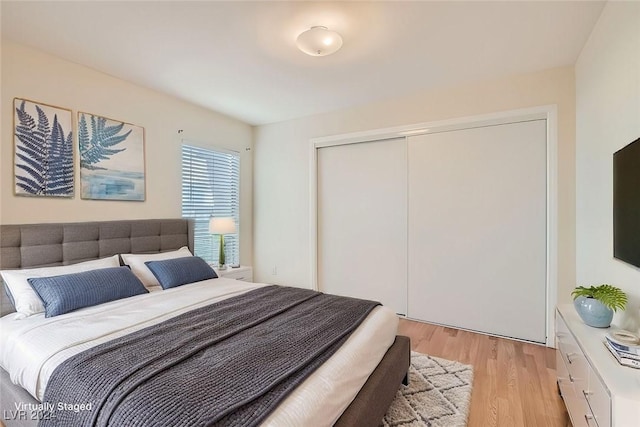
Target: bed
{"points": [[29, 246]]}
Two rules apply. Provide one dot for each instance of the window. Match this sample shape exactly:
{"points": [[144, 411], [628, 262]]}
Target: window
{"points": [[211, 187]]}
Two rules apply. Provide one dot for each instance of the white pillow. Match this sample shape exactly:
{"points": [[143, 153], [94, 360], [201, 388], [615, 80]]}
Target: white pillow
{"points": [[136, 263], [26, 300]]}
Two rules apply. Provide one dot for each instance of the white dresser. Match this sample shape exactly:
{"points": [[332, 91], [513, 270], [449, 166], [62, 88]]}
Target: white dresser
{"points": [[597, 391]]}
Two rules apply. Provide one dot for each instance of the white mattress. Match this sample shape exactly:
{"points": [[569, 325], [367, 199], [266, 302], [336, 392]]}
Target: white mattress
{"points": [[31, 348]]}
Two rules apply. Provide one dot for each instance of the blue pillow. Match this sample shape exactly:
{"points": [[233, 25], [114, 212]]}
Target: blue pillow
{"points": [[180, 271], [68, 292]]}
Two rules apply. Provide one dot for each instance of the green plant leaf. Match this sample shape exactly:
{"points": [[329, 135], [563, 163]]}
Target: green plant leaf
{"points": [[610, 296]]}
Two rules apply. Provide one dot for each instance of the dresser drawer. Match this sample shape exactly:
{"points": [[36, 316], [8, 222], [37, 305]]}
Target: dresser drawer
{"points": [[565, 342], [573, 376], [579, 375], [599, 400], [576, 363], [568, 393]]}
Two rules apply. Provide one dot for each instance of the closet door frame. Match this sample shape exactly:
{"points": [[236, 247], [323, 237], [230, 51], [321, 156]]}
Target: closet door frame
{"points": [[547, 112]]}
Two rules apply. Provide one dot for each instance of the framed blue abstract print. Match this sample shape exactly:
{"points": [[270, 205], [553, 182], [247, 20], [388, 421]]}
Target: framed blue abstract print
{"points": [[43, 156], [111, 159]]}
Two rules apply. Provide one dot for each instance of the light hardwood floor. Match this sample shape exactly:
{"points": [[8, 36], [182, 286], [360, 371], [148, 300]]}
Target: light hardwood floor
{"points": [[514, 383]]}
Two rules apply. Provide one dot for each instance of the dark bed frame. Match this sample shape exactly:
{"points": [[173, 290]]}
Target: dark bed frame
{"points": [[40, 245]]}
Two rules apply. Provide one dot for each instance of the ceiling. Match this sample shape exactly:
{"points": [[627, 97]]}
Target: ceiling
{"points": [[240, 58]]}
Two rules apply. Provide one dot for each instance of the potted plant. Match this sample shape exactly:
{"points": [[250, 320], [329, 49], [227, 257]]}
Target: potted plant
{"points": [[596, 304]]}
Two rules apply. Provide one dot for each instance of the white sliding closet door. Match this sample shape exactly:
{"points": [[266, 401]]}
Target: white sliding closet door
{"points": [[362, 221], [477, 229]]}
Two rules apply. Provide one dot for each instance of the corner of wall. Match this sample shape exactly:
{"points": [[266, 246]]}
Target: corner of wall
{"points": [[607, 111]]}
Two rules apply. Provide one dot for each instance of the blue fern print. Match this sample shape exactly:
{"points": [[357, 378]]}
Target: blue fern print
{"points": [[47, 154], [97, 147]]}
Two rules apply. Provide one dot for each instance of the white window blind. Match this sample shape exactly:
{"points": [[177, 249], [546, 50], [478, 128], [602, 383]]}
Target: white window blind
{"points": [[211, 187]]}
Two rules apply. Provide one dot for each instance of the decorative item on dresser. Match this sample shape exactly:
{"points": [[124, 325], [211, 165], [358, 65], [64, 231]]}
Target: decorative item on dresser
{"points": [[244, 273], [596, 304], [597, 390], [625, 347]]}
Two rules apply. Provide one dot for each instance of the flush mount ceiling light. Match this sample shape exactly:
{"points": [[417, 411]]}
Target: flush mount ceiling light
{"points": [[319, 41]]}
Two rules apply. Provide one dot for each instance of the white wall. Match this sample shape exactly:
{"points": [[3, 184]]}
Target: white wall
{"points": [[607, 118], [281, 171], [32, 74]]}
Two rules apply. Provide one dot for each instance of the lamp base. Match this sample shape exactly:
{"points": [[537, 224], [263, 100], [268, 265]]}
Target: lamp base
{"points": [[221, 258]]}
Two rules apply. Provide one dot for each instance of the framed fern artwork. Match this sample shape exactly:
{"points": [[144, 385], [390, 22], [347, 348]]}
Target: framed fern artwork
{"points": [[43, 163], [111, 159]]}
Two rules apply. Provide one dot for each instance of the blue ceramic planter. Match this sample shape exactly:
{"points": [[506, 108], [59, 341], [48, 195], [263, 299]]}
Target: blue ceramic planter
{"points": [[593, 312]]}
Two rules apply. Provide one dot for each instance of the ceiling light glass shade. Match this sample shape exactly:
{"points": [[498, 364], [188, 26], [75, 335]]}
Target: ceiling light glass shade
{"points": [[319, 41]]}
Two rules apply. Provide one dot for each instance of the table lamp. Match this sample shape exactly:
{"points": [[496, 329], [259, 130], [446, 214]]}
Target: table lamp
{"points": [[222, 226]]}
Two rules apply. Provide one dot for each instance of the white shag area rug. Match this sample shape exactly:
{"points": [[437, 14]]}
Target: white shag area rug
{"points": [[438, 394]]}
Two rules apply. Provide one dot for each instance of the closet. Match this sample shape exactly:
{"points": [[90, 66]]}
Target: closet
{"points": [[477, 229], [446, 227], [362, 221]]}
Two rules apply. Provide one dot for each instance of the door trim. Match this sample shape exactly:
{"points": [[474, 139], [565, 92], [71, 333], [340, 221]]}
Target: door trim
{"points": [[548, 112]]}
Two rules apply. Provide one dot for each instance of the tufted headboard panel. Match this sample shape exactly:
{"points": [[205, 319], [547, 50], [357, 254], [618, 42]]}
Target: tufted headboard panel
{"points": [[40, 245]]}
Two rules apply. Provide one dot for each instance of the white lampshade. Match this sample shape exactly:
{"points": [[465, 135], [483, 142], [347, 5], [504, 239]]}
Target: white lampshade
{"points": [[222, 225], [319, 41]]}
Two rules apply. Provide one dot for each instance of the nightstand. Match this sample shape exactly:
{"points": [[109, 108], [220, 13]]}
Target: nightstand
{"points": [[244, 272]]}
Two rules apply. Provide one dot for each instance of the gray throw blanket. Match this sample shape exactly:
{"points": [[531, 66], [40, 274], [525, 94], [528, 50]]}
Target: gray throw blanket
{"points": [[230, 363]]}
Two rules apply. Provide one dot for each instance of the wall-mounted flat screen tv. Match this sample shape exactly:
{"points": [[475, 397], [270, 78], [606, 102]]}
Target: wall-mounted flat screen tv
{"points": [[626, 203]]}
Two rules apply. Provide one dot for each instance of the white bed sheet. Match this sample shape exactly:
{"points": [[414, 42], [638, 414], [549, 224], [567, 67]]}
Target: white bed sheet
{"points": [[31, 348]]}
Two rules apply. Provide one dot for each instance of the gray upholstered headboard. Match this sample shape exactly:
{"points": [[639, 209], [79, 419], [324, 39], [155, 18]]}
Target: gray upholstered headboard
{"points": [[39, 245]]}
